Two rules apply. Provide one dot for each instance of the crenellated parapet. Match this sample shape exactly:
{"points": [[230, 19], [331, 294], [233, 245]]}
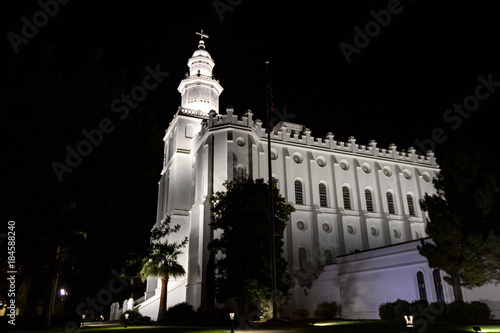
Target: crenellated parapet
{"points": [[296, 134]]}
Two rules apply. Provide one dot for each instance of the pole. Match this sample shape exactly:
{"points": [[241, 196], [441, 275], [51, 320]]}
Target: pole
{"points": [[270, 111]]}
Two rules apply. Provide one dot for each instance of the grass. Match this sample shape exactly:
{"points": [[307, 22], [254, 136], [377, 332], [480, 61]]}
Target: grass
{"points": [[337, 326]]}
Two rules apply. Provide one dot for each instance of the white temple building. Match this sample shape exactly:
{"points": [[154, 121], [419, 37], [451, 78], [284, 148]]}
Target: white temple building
{"points": [[357, 214]]}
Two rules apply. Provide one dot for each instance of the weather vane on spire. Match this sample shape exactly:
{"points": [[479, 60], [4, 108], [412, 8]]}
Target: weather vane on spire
{"points": [[202, 43]]}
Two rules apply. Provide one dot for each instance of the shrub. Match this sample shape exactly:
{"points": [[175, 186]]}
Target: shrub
{"points": [[476, 311], [455, 310], [418, 308], [386, 311], [326, 310], [437, 310], [299, 313], [180, 314], [401, 308], [210, 315], [134, 317]]}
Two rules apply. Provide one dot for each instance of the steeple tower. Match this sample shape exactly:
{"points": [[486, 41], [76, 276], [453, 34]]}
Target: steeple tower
{"points": [[199, 90]]}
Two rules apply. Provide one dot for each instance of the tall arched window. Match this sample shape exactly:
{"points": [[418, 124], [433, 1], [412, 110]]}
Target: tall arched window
{"points": [[322, 195], [347, 197], [240, 173], [457, 290], [421, 286], [329, 257], [390, 203], [438, 285], [411, 207], [302, 258], [369, 200], [299, 198]]}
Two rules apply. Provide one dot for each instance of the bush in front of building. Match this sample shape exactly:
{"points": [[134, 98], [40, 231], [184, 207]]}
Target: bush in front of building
{"points": [[476, 310], [326, 310], [181, 314], [437, 310], [386, 311], [455, 310], [134, 317], [401, 308], [418, 309], [299, 313]]}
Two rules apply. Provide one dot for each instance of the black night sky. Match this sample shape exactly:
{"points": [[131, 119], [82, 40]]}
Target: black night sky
{"points": [[408, 63], [396, 88]]}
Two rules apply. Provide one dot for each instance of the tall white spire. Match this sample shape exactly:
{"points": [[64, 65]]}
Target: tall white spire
{"points": [[199, 90]]}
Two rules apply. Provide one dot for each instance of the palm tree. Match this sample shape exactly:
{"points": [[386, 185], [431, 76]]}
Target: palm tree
{"points": [[162, 262]]}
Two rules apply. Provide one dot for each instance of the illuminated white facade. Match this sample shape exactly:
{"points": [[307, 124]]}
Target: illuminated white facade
{"points": [[357, 215]]}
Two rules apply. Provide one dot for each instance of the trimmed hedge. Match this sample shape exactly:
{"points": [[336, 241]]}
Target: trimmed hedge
{"points": [[326, 310], [455, 311], [181, 314], [134, 317], [386, 311], [477, 311], [299, 313]]}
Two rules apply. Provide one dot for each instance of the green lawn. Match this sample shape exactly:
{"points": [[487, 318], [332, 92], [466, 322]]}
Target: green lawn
{"points": [[322, 327]]}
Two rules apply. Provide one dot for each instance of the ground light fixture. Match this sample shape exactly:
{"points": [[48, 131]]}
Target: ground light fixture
{"points": [[63, 294], [231, 315], [126, 319], [409, 322]]}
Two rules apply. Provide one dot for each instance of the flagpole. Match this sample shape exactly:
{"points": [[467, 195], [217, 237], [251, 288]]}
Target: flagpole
{"points": [[270, 112]]}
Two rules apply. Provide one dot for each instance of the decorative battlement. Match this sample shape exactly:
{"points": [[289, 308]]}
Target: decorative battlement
{"points": [[289, 133]]}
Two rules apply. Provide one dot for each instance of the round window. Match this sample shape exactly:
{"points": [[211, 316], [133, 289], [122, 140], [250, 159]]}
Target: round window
{"points": [[351, 230], [344, 165], [297, 158], [301, 225], [366, 168], [240, 142], [326, 227], [426, 177]]}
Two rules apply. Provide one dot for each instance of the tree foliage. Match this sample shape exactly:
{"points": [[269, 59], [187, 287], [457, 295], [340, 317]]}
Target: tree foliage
{"points": [[241, 254], [463, 220], [162, 260]]}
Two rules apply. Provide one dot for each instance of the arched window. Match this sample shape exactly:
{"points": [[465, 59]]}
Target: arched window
{"points": [[457, 290], [302, 258], [240, 173], [390, 203], [328, 257], [438, 285], [299, 198], [421, 286], [411, 207], [322, 195], [369, 200], [347, 197]]}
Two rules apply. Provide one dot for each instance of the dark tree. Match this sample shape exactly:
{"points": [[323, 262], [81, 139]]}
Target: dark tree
{"points": [[463, 220], [77, 230], [241, 254]]}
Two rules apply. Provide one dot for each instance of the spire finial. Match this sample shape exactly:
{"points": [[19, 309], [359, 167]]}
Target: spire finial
{"points": [[201, 44]]}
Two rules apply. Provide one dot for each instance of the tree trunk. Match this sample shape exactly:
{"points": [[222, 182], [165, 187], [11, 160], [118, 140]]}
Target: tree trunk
{"points": [[162, 309]]}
